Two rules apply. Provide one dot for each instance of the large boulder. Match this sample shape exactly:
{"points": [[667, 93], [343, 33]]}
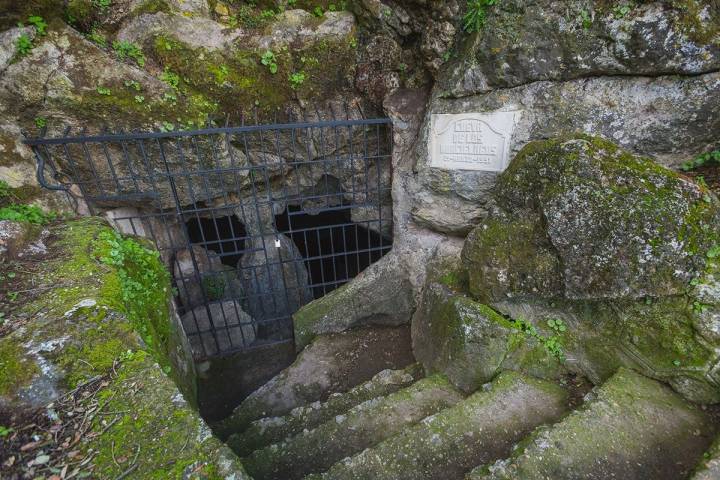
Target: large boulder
{"points": [[604, 258], [274, 281], [643, 75], [470, 342]]}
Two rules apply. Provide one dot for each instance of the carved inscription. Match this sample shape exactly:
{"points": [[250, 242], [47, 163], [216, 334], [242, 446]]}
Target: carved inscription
{"points": [[471, 141]]}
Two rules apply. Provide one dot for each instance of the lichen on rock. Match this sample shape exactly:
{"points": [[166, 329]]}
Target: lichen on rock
{"points": [[619, 249]]}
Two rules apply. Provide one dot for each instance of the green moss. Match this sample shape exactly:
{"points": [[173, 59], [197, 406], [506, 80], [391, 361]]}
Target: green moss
{"points": [[152, 424], [694, 25], [152, 6], [121, 108], [516, 247], [240, 78], [455, 279], [84, 244], [16, 368], [101, 347], [144, 287]]}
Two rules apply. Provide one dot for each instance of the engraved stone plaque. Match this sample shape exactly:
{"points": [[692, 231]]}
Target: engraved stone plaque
{"points": [[471, 141]]}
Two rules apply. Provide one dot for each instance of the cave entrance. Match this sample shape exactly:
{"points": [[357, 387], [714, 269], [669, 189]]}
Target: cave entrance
{"points": [[254, 221], [224, 235], [334, 248]]}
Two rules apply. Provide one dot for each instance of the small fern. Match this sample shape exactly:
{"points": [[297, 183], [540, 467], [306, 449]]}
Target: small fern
{"points": [[474, 19]]}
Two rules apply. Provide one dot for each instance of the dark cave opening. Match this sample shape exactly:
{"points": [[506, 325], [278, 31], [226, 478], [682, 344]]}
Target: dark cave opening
{"points": [[335, 248], [223, 235]]}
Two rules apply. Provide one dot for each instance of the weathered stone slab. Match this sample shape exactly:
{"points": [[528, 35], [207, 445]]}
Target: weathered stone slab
{"points": [[472, 141], [633, 427], [333, 363], [361, 427], [478, 429], [380, 295]]}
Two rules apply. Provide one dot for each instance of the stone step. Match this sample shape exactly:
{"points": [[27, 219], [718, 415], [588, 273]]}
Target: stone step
{"points": [[362, 426], [267, 431], [631, 427], [446, 445], [332, 363]]}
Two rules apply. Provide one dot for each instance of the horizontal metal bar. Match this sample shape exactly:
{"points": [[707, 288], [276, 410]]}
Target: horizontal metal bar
{"points": [[206, 131]]}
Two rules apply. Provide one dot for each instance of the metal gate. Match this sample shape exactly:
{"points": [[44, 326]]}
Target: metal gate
{"points": [[254, 221]]}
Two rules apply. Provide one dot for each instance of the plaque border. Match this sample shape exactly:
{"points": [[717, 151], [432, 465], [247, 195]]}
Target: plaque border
{"points": [[509, 119]]}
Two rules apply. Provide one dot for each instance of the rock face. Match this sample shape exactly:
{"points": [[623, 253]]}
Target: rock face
{"points": [[12, 238], [545, 40], [645, 77], [604, 258]]}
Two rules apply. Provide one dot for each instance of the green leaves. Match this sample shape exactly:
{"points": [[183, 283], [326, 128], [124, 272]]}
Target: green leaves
{"points": [[26, 213], [552, 344], [268, 59], [585, 19], [557, 325], [702, 160], [23, 45], [124, 49], [474, 18], [171, 78], [39, 24], [104, 91], [297, 79], [713, 253]]}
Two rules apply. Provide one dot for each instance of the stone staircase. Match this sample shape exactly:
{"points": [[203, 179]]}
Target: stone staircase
{"points": [[402, 425]]}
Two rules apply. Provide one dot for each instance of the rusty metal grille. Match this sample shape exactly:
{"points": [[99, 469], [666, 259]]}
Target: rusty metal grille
{"points": [[254, 221]]}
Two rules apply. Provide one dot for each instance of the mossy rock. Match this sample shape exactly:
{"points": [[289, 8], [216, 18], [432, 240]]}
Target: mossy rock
{"points": [[471, 343], [236, 77], [631, 427], [619, 249], [88, 324]]}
